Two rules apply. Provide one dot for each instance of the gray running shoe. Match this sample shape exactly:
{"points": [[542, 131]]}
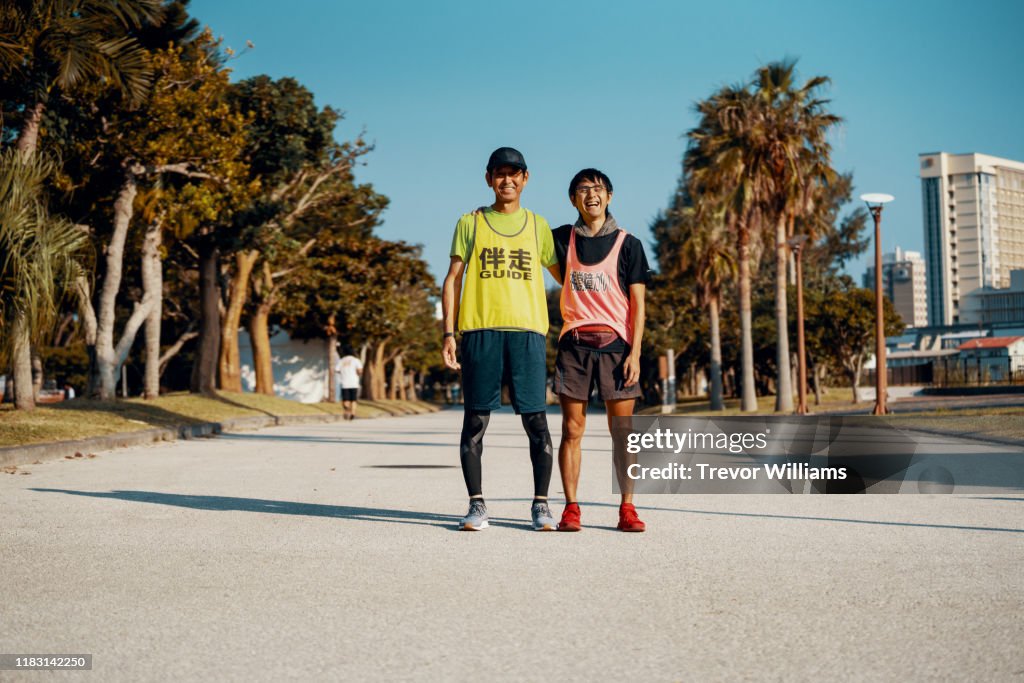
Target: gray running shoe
{"points": [[542, 519], [476, 518]]}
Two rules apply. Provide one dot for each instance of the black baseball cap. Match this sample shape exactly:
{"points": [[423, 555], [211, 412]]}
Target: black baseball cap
{"points": [[506, 156]]}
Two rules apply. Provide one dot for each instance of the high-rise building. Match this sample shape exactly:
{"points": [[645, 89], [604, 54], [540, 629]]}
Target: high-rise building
{"points": [[973, 227], [903, 281]]}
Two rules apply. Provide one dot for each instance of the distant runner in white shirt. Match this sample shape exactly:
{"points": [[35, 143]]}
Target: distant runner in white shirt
{"points": [[349, 370]]}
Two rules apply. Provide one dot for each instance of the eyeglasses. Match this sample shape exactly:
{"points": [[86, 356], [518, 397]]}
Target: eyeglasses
{"points": [[584, 190], [497, 174]]}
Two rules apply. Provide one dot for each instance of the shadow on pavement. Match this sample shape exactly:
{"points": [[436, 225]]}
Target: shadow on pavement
{"points": [[370, 441], [802, 518], [410, 467], [225, 503], [327, 439]]}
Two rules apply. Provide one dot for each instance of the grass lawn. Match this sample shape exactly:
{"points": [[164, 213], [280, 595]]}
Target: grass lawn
{"points": [[1000, 423], [831, 399], [995, 422], [83, 418]]}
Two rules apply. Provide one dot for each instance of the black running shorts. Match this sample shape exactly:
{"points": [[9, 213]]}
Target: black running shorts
{"points": [[579, 367]]}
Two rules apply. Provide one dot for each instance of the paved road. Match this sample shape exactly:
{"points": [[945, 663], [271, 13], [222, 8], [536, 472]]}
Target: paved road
{"points": [[328, 551]]}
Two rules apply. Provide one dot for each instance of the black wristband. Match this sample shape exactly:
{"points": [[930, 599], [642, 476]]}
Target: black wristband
{"points": [[448, 334]]}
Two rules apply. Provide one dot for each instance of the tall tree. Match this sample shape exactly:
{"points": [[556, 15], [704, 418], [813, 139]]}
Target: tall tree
{"points": [[58, 45], [50, 47], [39, 262], [788, 146], [306, 178], [187, 180], [374, 292], [845, 321], [708, 254], [719, 168]]}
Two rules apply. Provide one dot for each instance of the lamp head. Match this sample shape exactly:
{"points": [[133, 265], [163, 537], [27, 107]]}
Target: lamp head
{"points": [[876, 199]]}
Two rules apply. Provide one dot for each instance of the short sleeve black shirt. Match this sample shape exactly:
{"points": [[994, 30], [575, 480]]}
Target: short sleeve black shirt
{"points": [[633, 266]]}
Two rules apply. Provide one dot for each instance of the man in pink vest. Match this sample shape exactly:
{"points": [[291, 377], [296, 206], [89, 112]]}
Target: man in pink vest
{"points": [[605, 278]]}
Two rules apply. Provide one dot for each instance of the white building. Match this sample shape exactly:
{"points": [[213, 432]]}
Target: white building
{"points": [[988, 305], [973, 227], [903, 281], [993, 357], [300, 367]]}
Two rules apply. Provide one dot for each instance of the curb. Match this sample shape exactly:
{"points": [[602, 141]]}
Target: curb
{"points": [[13, 456]]}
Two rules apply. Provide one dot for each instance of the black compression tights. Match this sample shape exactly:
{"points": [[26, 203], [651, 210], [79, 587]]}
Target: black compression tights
{"points": [[471, 448]]}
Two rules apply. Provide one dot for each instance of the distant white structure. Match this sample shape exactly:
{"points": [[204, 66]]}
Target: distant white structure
{"points": [[988, 305], [973, 227], [996, 358], [300, 367], [903, 281]]}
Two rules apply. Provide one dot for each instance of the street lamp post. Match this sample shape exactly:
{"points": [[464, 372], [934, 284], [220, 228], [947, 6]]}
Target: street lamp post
{"points": [[875, 203], [797, 244]]}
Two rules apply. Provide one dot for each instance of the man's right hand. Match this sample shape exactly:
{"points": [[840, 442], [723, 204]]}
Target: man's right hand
{"points": [[448, 354]]}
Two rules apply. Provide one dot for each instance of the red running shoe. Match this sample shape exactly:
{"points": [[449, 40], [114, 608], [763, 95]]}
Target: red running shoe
{"points": [[628, 521], [570, 518]]}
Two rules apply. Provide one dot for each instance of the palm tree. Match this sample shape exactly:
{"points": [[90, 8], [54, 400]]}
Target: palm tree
{"points": [[53, 45], [723, 177], [38, 263], [708, 254], [791, 151]]}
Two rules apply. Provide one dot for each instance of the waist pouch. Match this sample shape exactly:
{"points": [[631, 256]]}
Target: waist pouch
{"points": [[597, 340]]}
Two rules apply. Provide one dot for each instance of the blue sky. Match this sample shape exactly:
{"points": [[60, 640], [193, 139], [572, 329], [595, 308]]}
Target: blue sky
{"points": [[438, 85]]}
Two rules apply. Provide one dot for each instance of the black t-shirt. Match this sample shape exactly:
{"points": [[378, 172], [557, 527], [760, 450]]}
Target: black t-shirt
{"points": [[633, 266]]}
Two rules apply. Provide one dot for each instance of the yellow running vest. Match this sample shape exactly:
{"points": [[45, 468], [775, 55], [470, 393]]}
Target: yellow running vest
{"points": [[504, 281]]}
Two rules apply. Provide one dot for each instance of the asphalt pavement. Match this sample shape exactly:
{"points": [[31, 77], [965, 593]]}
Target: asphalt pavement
{"points": [[330, 552]]}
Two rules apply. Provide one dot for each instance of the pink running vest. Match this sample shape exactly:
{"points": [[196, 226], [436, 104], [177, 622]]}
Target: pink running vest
{"points": [[591, 295]]}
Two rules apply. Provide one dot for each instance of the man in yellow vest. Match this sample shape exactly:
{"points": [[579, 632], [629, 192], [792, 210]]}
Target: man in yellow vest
{"points": [[497, 258]]}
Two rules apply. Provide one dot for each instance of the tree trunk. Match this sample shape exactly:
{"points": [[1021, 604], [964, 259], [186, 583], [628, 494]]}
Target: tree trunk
{"points": [[816, 374], [717, 401], [230, 366], [9, 386], [364, 351], [173, 349], [153, 285], [109, 357], [24, 399], [397, 390], [87, 315], [381, 383], [856, 376], [374, 385], [204, 371], [784, 380], [748, 401], [332, 362], [28, 140], [37, 373], [262, 357], [24, 388], [59, 338]]}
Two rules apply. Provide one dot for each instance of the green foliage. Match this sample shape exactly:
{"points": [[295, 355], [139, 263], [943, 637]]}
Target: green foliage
{"points": [[39, 253], [190, 124], [841, 323], [67, 364], [286, 132], [373, 290], [56, 44]]}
